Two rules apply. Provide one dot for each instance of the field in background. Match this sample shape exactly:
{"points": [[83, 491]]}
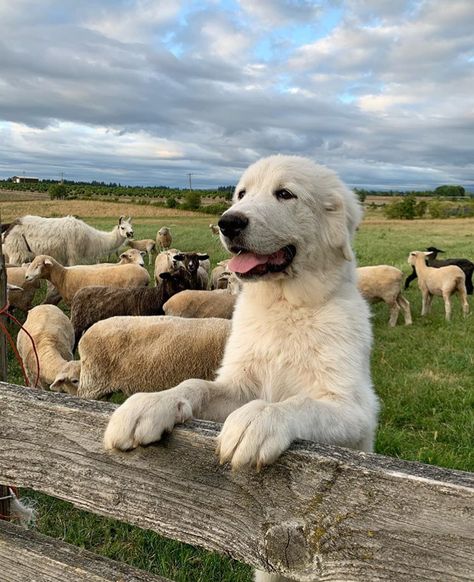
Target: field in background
{"points": [[423, 375]]}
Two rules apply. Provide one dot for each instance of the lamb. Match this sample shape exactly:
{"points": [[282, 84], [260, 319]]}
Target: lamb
{"points": [[465, 264], [68, 280], [201, 304], [384, 283], [93, 304], [23, 297], [168, 350], [68, 240], [443, 281], [146, 245], [163, 238], [53, 335], [220, 272]]}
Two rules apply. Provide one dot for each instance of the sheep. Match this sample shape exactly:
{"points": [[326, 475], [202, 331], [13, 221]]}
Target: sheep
{"points": [[465, 264], [165, 262], [23, 297], [131, 257], [68, 280], [214, 229], [201, 304], [442, 281], [192, 262], [168, 350], [163, 238], [68, 240], [384, 283], [146, 245], [220, 270], [92, 304], [53, 336], [67, 379]]}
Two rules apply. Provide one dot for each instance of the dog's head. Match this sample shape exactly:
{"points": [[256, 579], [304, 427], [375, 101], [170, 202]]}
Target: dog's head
{"points": [[288, 215]]}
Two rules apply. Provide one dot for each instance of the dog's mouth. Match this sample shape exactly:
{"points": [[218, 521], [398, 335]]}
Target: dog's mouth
{"points": [[247, 264]]}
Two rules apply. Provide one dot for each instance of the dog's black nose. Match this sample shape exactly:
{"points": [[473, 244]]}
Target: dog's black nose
{"points": [[232, 224]]}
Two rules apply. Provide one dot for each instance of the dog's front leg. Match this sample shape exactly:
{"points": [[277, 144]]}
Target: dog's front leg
{"points": [[257, 433], [144, 417]]}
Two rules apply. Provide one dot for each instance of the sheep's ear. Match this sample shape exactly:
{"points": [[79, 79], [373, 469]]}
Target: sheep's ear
{"points": [[48, 262], [165, 275], [122, 256], [203, 257], [143, 253], [179, 257]]}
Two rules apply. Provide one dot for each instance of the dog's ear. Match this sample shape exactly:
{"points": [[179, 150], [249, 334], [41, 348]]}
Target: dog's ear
{"points": [[339, 236]]}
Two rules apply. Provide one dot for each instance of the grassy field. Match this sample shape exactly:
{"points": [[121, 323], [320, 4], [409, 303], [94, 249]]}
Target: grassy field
{"points": [[423, 375]]}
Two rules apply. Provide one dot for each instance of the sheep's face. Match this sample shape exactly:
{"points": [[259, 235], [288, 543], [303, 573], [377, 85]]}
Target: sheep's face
{"points": [[125, 227], [175, 281], [288, 216], [133, 256], [413, 256], [164, 230], [67, 380], [39, 268]]}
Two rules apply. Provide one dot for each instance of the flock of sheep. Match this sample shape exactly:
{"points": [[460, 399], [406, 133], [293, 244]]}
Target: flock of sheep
{"points": [[117, 319]]}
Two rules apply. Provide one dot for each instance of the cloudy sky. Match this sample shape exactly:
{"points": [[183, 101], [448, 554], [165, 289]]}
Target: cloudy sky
{"points": [[147, 91]]}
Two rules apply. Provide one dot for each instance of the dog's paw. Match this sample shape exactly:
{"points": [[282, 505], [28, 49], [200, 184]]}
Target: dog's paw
{"points": [[143, 418], [255, 434]]}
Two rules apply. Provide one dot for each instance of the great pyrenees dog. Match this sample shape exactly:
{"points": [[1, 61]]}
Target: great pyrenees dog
{"points": [[297, 362]]}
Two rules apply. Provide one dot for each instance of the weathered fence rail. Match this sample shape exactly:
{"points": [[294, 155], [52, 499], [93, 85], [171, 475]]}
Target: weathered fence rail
{"points": [[320, 513]]}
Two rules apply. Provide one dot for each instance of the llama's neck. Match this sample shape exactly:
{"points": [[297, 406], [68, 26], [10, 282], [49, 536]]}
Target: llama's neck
{"points": [[110, 241]]}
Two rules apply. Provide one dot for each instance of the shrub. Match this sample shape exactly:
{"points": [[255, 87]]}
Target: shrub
{"points": [[57, 191], [402, 209], [192, 200], [171, 202]]}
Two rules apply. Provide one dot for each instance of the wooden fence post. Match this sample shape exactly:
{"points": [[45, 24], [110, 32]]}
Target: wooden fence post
{"points": [[4, 492]]}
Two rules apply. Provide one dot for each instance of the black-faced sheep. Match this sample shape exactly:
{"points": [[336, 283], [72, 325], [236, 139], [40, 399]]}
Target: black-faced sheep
{"points": [[93, 304]]}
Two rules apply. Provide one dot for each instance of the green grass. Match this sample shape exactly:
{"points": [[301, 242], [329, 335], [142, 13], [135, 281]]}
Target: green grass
{"points": [[423, 375]]}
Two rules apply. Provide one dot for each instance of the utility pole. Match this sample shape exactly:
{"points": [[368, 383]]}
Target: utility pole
{"points": [[62, 177], [190, 183]]}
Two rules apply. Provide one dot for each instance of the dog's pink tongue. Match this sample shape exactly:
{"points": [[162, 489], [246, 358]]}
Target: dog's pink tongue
{"points": [[245, 262]]}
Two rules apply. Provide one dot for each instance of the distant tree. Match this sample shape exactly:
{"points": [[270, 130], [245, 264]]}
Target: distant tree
{"points": [[361, 194], [57, 191], [421, 208], [192, 200], [450, 190]]}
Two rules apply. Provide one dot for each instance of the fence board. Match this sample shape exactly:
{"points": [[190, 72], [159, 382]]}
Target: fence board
{"points": [[26, 556], [319, 513]]}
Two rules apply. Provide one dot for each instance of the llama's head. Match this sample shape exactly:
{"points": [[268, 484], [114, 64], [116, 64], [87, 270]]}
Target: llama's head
{"points": [[125, 227]]}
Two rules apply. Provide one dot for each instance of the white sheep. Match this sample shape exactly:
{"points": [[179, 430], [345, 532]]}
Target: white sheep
{"points": [[148, 354], [442, 281], [53, 335], [67, 379], [384, 283], [165, 263], [68, 240], [163, 238], [146, 245], [23, 297], [198, 304], [68, 280]]}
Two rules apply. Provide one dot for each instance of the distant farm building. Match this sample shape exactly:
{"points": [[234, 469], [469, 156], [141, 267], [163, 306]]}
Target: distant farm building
{"points": [[22, 179]]}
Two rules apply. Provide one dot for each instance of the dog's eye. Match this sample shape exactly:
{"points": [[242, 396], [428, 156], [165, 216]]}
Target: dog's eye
{"points": [[284, 194], [241, 194]]}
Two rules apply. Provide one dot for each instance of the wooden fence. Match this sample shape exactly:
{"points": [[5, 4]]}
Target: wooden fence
{"points": [[319, 514]]}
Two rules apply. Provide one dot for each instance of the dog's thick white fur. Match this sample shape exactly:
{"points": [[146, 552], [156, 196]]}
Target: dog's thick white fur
{"points": [[296, 365]]}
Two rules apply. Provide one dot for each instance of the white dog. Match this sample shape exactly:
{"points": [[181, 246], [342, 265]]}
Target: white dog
{"points": [[296, 365]]}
